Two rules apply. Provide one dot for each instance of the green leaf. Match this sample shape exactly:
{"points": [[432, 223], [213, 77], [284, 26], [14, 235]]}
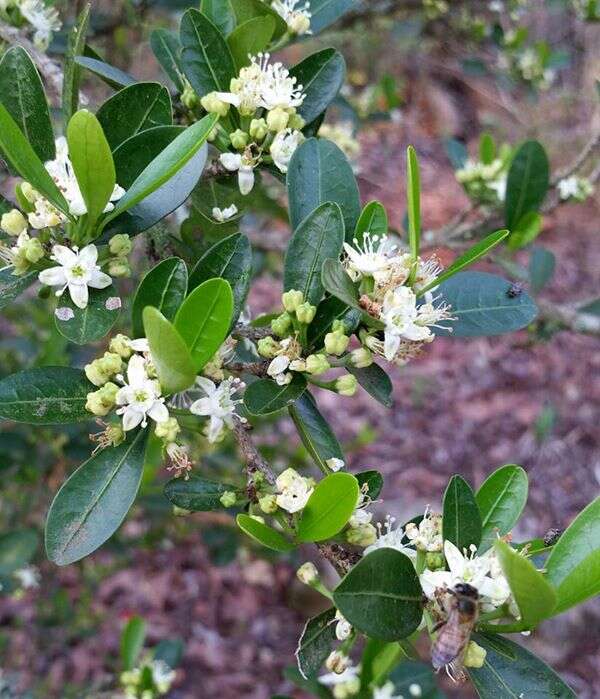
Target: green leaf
{"points": [[85, 325], [206, 58], [264, 396], [22, 94], [413, 194], [25, 161], [338, 283], [170, 651], [92, 162], [72, 69], [501, 500], [167, 50], [461, 520], [250, 38], [204, 318], [17, 548], [265, 535], [163, 287], [169, 351], [220, 13], [45, 396], [316, 643], [376, 383], [483, 305], [329, 310], [373, 219], [525, 231], [541, 268], [573, 566], [248, 9], [326, 12], [165, 165], [93, 502], [132, 641], [12, 286], [197, 494], [318, 238], [230, 259], [533, 594], [527, 183], [379, 657], [457, 152], [329, 507], [109, 74], [321, 75], [509, 671], [134, 109], [468, 258], [319, 172], [381, 595], [315, 432], [373, 480], [487, 149]]}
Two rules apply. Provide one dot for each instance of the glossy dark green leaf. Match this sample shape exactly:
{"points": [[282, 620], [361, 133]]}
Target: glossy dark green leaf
{"points": [[22, 93], [12, 286], [378, 659], [461, 519], [509, 671], [316, 643], [326, 12], [381, 595], [170, 354], [229, 259], [204, 318], [484, 304], [167, 50], [411, 672], [338, 283], [93, 502], [527, 183], [267, 536], [373, 480], [134, 109], [197, 494], [109, 74], [163, 287], [328, 311], [45, 396], [319, 172], [542, 264], [373, 219], [17, 548], [376, 383], [329, 508], [206, 58], [132, 641], [134, 155], [573, 566], [220, 13], [264, 396], [315, 432], [316, 239], [72, 69], [250, 38], [245, 10], [85, 325], [501, 500], [321, 75]]}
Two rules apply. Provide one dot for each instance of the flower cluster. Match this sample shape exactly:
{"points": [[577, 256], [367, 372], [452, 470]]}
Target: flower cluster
{"points": [[266, 98], [43, 19], [153, 678], [294, 14], [529, 63], [575, 188], [484, 183]]}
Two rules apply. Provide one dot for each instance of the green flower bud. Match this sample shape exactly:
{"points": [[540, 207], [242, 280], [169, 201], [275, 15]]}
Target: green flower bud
{"points": [[228, 499], [13, 223], [258, 129], [268, 347], [180, 512], [362, 535], [308, 573], [120, 345], [167, 430], [296, 122], [336, 343], [239, 139], [33, 250], [317, 364], [213, 105], [212, 135], [282, 324], [361, 358], [110, 363], [120, 245], [435, 560], [29, 192], [346, 385], [268, 504], [338, 326], [305, 312], [119, 267], [277, 119], [102, 401], [95, 374], [297, 365], [474, 655], [189, 98], [292, 299]]}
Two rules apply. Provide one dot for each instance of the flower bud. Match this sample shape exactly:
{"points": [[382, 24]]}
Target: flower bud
{"points": [[305, 312], [343, 628], [361, 358], [296, 122], [298, 365], [346, 385], [292, 299], [189, 98], [362, 535], [277, 119], [167, 430], [268, 503], [337, 662], [114, 435], [33, 250], [336, 343], [120, 345], [317, 364], [13, 222], [299, 23], [268, 347], [29, 192], [474, 655], [308, 573], [435, 560], [180, 512], [213, 105], [119, 267], [258, 129], [102, 401], [239, 139], [120, 245], [110, 363], [95, 374], [335, 464], [282, 324], [228, 499]]}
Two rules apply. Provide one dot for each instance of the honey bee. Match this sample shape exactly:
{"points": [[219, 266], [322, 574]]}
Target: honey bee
{"points": [[461, 605]]}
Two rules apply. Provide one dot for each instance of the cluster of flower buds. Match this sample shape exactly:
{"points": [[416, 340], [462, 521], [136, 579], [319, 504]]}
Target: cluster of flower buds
{"points": [[575, 188], [153, 678], [485, 183]]}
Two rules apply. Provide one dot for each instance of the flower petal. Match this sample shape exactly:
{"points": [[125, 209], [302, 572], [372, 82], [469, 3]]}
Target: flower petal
{"points": [[89, 255], [55, 276], [79, 295], [64, 255], [131, 418], [159, 411], [99, 280]]}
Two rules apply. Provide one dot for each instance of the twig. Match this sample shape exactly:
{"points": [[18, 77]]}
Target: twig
{"points": [[251, 333], [580, 160], [254, 368], [569, 317]]}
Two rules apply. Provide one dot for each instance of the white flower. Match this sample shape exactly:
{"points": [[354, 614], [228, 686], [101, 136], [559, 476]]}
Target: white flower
{"points": [[297, 18], [222, 215], [235, 162], [390, 538], [372, 258], [568, 187], [77, 270], [294, 491], [283, 147], [427, 535], [217, 404], [45, 20], [28, 577], [400, 315], [277, 369], [350, 674], [140, 345], [386, 692], [162, 675], [335, 464], [140, 397]]}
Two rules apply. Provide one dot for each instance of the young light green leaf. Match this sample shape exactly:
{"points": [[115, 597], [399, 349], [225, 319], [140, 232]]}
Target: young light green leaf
{"points": [[329, 507], [267, 536], [204, 318], [245, 10], [373, 219], [413, 198], [321, 75], [170, 354], [487, 149], [250, 38], [461, 519], [132, 641], [72, 69], [85, 325], [381, 595], [501, 500], [94, 500], [198, 494], [527, 182], [167, 50], [316, 642], [163, 287], [264, 396]]}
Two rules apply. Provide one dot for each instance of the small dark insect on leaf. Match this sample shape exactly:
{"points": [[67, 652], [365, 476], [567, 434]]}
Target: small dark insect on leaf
{"points": [[552, 536], [515, 290]]}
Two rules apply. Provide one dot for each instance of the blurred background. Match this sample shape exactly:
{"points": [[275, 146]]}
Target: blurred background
{"points": [[421, 72]]}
